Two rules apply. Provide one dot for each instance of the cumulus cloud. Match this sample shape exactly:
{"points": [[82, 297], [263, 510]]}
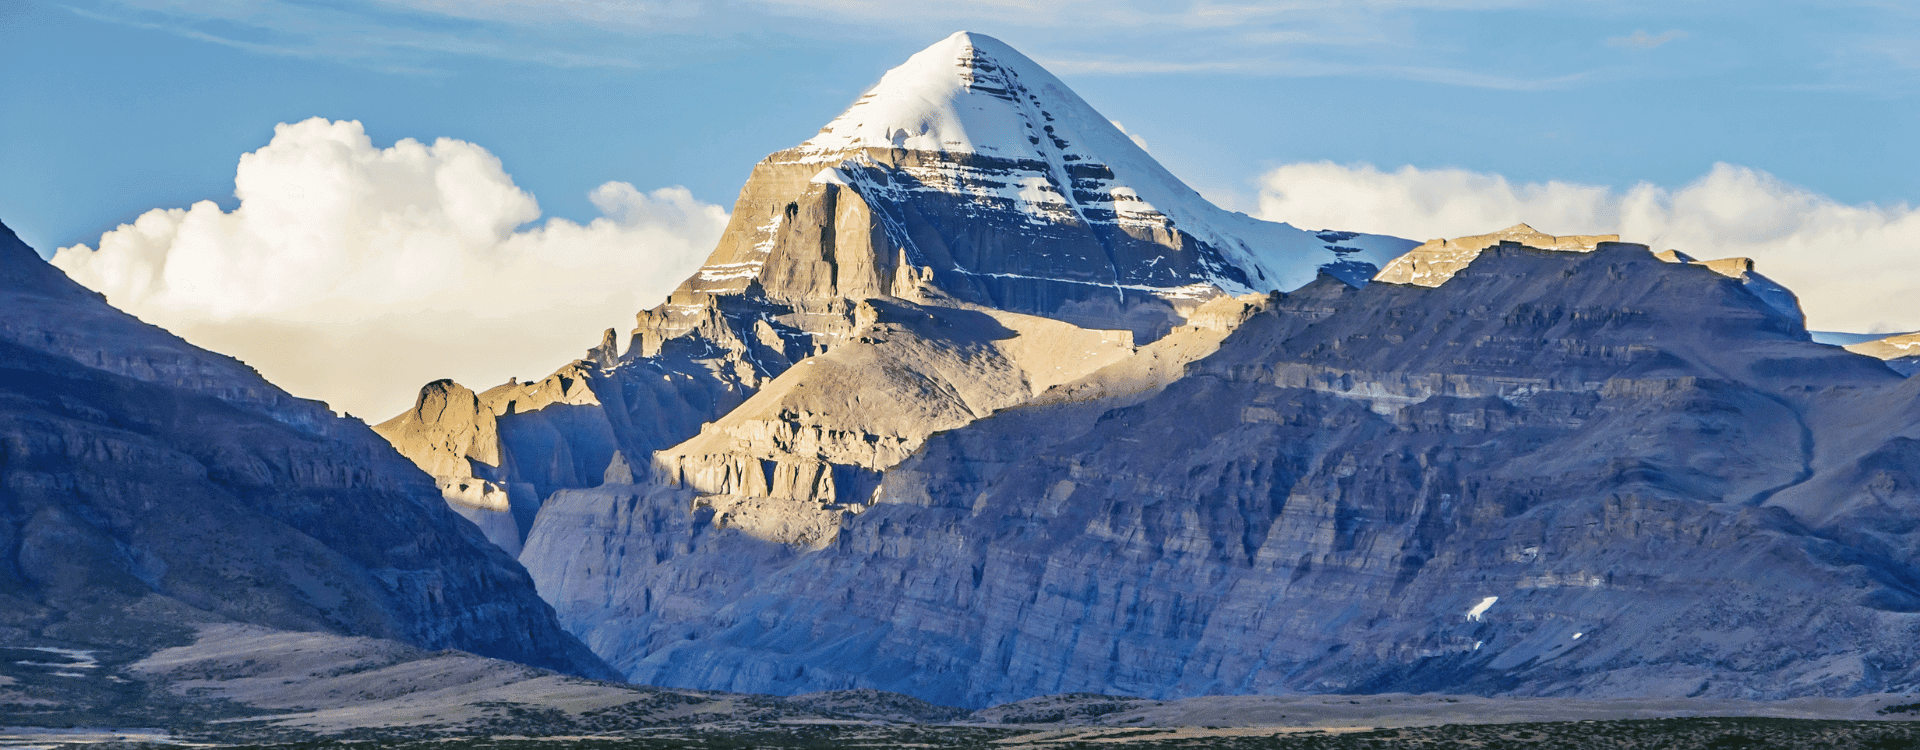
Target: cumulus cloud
{"points": [[1849, 264], [354, 274], [1137, 140]]}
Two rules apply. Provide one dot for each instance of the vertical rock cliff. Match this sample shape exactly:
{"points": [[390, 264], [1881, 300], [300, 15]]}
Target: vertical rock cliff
{"points": [[146, 486], [966, 236]]}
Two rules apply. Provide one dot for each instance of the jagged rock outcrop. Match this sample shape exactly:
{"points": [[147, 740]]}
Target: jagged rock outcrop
{"points": [[146, 486], [495, 454], [1557, 473], [810, 445], [969, 187]]}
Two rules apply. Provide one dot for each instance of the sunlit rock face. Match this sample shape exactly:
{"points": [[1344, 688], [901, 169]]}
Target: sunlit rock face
{"points": [[147, 486], [1590, 473], [1901, 352], [967, 236], [973, 170], [1435, 261]]}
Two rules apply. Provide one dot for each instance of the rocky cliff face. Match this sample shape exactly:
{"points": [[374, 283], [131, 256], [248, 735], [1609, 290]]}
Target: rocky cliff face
{"points": [[1589, 473], [146, 485], [965, 237]]}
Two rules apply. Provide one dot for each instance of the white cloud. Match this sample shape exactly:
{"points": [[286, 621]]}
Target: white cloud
{"points": [[1850, 264], [353, 273], [1137, 140]]}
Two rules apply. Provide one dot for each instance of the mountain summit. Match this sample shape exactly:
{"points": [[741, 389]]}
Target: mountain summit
{"points": [[972, 171], [1047, 154], [973, 94]]}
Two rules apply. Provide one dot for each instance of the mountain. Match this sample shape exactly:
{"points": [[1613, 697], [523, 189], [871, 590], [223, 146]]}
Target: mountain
{"points": [[1594, 472], [148, 488], [974, 403], [966, 236], [1901, 352], [1435, 261]]}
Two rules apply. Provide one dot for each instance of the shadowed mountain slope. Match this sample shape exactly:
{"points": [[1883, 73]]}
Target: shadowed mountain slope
{"points": [[1557, 473], [147, 486]]}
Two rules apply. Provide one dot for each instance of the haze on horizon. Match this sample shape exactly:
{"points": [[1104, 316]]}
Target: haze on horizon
{"points": [[357, 200]]}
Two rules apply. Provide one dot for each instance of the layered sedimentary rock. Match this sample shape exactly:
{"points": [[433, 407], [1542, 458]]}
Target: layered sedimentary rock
{"points": [[810, 445], [1435, 261], [495, 454], [1902, 352], [1590, 473], [969, 190], [146, 485]]}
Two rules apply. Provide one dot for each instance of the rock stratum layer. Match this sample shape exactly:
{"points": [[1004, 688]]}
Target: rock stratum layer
{"points": [[147, 486], [967, 236], [1901, 352], [1557, 473]]}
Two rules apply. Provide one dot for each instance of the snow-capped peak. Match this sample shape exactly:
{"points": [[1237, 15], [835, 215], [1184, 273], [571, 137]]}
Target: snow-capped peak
{"points": [[971, 94]]}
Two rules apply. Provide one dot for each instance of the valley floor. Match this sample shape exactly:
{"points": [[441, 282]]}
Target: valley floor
{"points": [[245, 687], [1665, 734]]}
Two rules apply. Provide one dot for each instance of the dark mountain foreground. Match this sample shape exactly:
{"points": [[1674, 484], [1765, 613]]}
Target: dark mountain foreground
{"points": [[150, 489]]}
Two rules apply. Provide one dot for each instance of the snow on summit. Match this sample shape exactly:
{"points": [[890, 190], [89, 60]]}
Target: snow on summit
{"points": [[971, 95]]}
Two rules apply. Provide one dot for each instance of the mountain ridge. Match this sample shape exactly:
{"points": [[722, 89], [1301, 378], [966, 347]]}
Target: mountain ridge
{"points": [[837, 244], [1316, 507], [150, 486]]}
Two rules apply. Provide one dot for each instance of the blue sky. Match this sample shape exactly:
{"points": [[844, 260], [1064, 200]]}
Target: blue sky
{"points": [[112, 108], [1441, 115]]}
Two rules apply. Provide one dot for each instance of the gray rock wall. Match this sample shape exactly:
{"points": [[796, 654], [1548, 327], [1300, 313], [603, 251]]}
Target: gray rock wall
{"points": [[1555, 474]]}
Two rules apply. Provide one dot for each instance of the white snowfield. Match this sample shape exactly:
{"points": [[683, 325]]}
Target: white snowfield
{"points": [[971, 94], [1473, 615]]}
